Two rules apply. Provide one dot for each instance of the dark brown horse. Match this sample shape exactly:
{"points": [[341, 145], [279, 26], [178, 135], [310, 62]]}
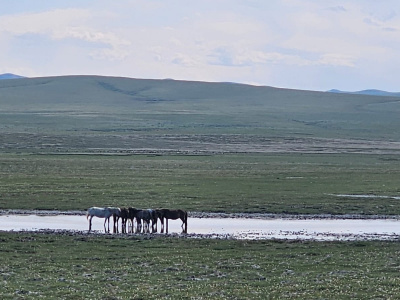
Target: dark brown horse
{"points": [[173, 215]]}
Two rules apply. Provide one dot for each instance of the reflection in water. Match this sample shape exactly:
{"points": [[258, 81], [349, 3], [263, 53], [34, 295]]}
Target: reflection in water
{"points": [[236, 227]]}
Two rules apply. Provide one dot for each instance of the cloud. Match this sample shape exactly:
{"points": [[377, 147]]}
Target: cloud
{"points": [[61, 25], [334, 59], [116, 48], [338, 8], [369, 21], [184, 60], [236, 57], [379, 24], [41, 22]]}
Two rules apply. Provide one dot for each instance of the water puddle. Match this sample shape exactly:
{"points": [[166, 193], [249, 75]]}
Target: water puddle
{"points": [[241, 228], [364, 196]]}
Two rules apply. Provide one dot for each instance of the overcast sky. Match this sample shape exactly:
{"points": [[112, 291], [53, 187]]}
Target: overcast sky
{"points": [[303, 44]]}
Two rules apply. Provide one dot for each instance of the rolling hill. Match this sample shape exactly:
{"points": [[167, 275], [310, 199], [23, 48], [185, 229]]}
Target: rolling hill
{"points": [[370, 92], [111, 114]]}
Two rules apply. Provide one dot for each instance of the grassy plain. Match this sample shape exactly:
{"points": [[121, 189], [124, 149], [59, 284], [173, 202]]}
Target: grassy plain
{"points": [[266, 183], [51, 266], [203, 146], [74, 142]]}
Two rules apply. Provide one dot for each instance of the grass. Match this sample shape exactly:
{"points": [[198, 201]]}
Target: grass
{"points": [[72, 142], [266, 183], [220, 147], [67, 266]]}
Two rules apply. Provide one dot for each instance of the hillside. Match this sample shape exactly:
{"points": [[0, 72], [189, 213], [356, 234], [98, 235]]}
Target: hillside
{"points": [[370, 92], [110, 114]]}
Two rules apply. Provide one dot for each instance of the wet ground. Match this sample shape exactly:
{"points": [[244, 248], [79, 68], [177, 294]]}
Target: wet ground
{"points": [[240, 226]]}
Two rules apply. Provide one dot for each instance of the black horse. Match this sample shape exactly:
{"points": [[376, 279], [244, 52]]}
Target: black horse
{"points": [[132, 214], [124, 215], [145, 215], [173, 215]]}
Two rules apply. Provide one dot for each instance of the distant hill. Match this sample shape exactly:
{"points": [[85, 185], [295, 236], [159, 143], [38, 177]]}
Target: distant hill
{"points": [[10, 76], [98, 112], [371, 92]]}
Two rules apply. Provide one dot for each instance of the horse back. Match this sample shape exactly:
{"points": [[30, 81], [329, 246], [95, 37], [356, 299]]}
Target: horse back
{"points": [[174, 214]]}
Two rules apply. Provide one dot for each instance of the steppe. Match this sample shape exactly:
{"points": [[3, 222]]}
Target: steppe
{"points": [[67, 143]]}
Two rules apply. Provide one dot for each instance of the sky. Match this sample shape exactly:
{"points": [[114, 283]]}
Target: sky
{"points": [[318, 45]]}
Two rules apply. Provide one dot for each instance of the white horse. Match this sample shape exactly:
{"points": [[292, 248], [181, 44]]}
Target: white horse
{"points": [[102, 212]]}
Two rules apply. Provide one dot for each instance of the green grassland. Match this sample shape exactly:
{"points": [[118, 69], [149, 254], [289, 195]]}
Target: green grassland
{"points": [[77, 141], [55, 266], [264, 183]]}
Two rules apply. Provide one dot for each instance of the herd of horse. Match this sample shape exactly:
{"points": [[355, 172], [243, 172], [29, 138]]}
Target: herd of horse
{"points": [[146, 219]]}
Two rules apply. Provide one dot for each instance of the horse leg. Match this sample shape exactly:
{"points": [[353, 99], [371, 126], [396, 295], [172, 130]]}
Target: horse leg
{"points": [[185, 228], [90, 223], [115, 223], [162, 224], [105, 229], [131, 226], [166, 220], [183, 223]]}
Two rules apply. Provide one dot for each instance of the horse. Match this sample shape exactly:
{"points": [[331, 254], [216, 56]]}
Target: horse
{"points": [[103, 212], [124, 215], [173, 215], [156, 215], [147, 215], [132, 214]]}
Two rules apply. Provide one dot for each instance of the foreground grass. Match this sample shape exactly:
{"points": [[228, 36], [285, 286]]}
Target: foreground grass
{"points": [[108, 267], [270, 183]]}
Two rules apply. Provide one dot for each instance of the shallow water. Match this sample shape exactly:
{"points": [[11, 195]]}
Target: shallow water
{"points": [[242, 228], [366, 196]]}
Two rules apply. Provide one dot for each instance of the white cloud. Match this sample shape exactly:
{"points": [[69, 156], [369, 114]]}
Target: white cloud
{"points": [[184, 60], [339, 60], [41, 22], [338, 8], [116, 48], [61, 25]]}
